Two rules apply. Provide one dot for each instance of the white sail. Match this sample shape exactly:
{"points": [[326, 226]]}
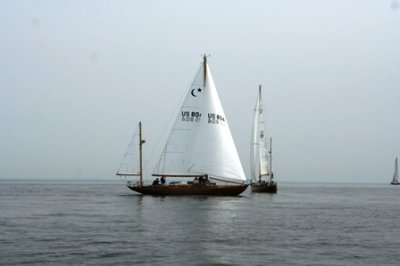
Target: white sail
{"points": [[200, 143], [259, 150], [130, 165]]}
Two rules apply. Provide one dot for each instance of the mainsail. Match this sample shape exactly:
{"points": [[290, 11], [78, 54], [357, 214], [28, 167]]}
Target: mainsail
{"points": [[130, 165], [259, 150], [200, 142]]}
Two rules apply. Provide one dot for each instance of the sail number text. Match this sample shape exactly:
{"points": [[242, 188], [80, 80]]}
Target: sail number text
{"points": [[216, 119], [188, 116], [191, 116]]}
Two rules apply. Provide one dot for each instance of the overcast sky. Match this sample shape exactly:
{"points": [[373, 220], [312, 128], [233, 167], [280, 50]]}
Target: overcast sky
{"points": [[77, 76]]}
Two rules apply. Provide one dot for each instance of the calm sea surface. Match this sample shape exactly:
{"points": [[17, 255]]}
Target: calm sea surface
{"points": [[104, 223]]}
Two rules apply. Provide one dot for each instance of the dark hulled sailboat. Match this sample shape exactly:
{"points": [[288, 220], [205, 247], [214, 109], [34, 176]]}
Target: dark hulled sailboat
{"points": [[200, 149]]}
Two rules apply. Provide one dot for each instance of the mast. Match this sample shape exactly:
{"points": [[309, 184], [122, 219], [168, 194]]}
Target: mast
{"points": [[258, 133], [270, 161], [204, 70], [141, 142], [395, 177]]}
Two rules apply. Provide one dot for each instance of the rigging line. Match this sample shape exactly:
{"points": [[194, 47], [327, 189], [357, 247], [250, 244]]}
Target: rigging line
{"points": [[122, 181], [167, 128]]}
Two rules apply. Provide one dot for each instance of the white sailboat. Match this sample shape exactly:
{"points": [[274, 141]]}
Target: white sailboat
{"points": [[261, 159], [395, 180], [200, 147]]}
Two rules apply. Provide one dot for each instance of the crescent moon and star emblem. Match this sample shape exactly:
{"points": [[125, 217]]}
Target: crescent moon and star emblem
{"points": [[196, 92]]}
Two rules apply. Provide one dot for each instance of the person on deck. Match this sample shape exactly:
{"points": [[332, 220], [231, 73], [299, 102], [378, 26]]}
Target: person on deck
{"points": [[156, 182], [163, 180]]}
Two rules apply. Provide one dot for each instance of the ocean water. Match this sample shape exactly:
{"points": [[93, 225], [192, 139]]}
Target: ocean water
{"points": [[104, 223]]}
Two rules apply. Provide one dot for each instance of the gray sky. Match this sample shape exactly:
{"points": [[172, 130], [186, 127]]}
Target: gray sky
{"points": [[77, 76]]}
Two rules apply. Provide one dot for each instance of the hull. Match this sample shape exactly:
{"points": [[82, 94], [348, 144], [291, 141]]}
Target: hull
{"points": [[395, 183], [264, 188], [187, 190]]}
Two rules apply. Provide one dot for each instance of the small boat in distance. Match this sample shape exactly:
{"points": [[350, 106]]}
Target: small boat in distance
{"points": [[262, 176], [199, 150], [395, 180]]}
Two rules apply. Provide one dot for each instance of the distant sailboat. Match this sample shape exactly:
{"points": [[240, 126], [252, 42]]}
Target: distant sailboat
{"points": [[261, 170], [200, 147], [395, 180]]}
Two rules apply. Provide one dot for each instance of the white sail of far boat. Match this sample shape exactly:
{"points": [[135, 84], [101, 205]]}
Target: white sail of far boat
{"points": [[200, 142], [395, 180], [259, 142]]}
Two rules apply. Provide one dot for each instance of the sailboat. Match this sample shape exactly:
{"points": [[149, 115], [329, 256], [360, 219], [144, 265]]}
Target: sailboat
{"points": [[395, 180], [199, 150], [262, 175]]}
